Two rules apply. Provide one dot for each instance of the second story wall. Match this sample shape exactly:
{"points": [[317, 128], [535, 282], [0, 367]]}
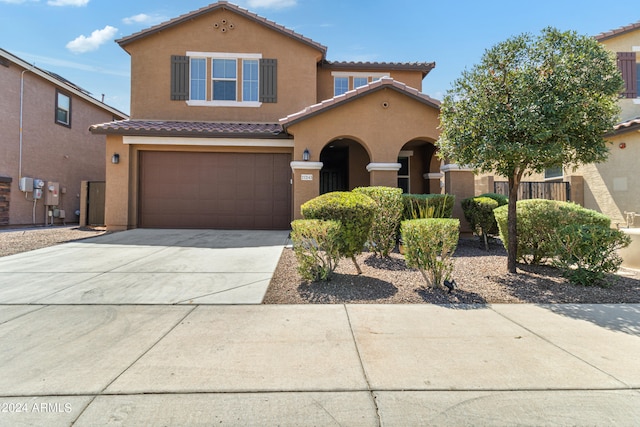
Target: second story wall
{"points": [[238, 45]]}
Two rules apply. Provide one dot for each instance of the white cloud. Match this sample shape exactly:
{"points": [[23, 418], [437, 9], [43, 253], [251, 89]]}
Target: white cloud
{"points": [[97, 38], [143, 18], [271, 4], [68, 2]]}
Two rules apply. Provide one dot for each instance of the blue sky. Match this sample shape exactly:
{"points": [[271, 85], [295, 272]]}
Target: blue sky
{"points": [[75, 38]]}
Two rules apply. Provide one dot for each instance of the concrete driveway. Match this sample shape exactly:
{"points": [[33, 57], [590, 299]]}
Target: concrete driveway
{"points": [[145, 266]]}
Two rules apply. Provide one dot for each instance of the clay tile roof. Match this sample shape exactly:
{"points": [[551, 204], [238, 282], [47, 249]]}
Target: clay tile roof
{"points": [[221, 5], [385, 82], [617, 31], [425, 67], [190, 129], [627, 125]]}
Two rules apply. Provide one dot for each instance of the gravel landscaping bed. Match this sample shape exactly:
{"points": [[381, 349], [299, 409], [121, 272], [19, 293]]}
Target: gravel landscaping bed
{"points": [[481, 276], [13, 241]]}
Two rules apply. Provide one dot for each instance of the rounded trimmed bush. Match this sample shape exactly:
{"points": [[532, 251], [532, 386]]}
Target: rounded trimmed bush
{"points": [[538, 220], [386, 219], [479, 212], [355, 213], [315, 243]]}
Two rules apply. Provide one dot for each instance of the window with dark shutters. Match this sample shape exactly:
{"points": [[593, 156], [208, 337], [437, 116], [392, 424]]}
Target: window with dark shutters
{"points": [[179, 78], [627, 66], [269, 80]]}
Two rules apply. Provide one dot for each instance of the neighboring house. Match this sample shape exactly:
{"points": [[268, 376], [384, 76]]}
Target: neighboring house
{"points": [[236, 121], [44, 128], [610, 187]]}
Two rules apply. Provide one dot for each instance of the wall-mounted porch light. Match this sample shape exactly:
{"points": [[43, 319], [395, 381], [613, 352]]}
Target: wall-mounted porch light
{"points": [[306, 155], [115, 159]]}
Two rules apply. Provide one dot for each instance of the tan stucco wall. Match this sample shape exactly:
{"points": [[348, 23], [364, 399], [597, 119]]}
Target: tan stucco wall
{"points": [[50, 152], [151, 70], [626, 43], [381, 131]]}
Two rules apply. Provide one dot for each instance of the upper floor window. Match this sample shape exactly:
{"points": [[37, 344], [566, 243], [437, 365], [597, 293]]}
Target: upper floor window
{"points": [[63, 109], [223, 79], [250, 80], [340, 85], [553, 173], [345, 81]]}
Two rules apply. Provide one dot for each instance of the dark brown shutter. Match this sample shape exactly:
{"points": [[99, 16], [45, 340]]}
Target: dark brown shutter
{"points": [[179, 78], [627, 66], [269, 80]]}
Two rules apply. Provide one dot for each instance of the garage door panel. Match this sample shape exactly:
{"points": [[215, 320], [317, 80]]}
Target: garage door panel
{"points": [[214, 190]]}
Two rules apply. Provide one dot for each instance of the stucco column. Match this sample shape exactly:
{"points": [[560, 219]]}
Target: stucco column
{"points": [[306, 184], [383, 174], [116, 210], [484, 185], [460, 182], [434, 180]]}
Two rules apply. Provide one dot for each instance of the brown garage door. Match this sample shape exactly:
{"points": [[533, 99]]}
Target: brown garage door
{"points": [[215, 190]]}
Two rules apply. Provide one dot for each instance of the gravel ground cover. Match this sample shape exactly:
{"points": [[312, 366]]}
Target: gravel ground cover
{"points": [[481, 276], [16, 240]]}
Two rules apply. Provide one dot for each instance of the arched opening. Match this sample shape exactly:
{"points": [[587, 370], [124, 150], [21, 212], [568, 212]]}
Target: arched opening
{"points": [[344, 166], [418, 164]]}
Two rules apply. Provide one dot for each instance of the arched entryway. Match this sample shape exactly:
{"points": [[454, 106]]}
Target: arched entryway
{"points": [[344, 166], [420, 168]]}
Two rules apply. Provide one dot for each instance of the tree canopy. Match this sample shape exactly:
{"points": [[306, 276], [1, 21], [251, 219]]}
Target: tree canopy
{"points": [[532, 103]]}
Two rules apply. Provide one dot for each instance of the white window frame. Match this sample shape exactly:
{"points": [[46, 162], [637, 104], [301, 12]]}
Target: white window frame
{"points": [[204, 80], [351, 76], [255, 81], [406, 154], [239, 57], [335, 85], [61, 95]]}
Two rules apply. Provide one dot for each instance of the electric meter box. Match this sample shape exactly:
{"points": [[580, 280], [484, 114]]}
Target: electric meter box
{"points": [[26, 184], [52, 193], [38, 183]]}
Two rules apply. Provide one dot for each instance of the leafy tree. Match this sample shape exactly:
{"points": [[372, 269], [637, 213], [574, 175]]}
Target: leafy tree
{"points": [[532, 103]]}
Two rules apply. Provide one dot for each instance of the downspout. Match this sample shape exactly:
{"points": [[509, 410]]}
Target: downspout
{"points": [[21, 115]]}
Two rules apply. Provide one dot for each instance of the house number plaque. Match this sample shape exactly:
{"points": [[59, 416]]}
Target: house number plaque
{"points": [[306, 177]]}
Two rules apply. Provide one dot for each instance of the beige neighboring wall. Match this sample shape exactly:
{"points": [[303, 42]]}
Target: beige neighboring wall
{"points": [[151, 69]]}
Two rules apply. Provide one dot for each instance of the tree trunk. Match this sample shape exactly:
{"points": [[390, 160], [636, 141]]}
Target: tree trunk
{"points": [[512, 224]]}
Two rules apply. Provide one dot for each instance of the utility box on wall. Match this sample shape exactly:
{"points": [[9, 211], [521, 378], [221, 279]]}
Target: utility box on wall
{"points": [[52, 193]]}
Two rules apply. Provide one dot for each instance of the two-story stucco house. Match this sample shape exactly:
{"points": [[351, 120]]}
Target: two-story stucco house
{"points": [[44, 136], [236, 121]]}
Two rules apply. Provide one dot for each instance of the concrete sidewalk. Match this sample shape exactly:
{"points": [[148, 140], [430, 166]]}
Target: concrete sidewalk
{"points": [[391, 365]]}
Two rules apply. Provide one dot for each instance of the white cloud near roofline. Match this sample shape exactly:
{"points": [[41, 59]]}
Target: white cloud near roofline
{"points": [[271, 4], [83, 44], [143, 18], [76, 3]]}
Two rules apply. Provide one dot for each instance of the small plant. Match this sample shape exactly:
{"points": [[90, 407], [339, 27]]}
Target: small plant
{"points": [[315, 243], [386, 220], [429, 246], [502, 200], [479, 212], [355, 213], [586, 253]]}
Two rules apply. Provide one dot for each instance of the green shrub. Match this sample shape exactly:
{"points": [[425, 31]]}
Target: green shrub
{"points": [[429, 245], [354, 211], [315, 243], [500, 198], [479, 212], [386, 219], [586, 253], [538, 219], [418, 206]]}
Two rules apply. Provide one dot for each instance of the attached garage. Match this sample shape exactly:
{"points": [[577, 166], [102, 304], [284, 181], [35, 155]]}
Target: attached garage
{"points": [[249, 191]]}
